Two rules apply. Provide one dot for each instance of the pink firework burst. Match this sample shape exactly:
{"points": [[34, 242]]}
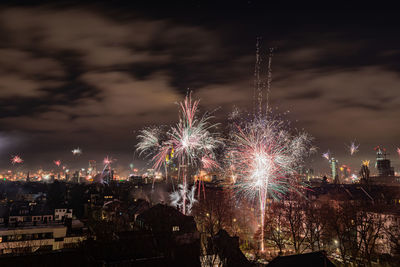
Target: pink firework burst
{"points": [[191, 140], [57, 162], [209, 163], [266, 157], [108, 160], [16, 160]]}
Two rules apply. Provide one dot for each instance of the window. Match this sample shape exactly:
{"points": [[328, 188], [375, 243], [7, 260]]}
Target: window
{"points": [[175, 228]]}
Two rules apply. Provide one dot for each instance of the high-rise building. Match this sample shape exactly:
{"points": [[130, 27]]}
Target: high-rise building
{"points": [[75, 177], [334, 169], [382, 163], [344, 171], [108, 175], [92, 170]]}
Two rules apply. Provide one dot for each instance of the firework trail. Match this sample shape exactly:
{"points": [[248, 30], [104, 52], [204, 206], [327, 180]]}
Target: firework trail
{"points": [[353, 148], [76, 151], [183, 196], [57, 162], [16, 160], [266, 156], [326, 155]]}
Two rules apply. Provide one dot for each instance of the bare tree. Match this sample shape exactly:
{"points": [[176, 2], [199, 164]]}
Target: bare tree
{"points": [[212, 214], [342, 223], [275, 226], [316, 225], [370, 227], [294, 215], [392, 233]]}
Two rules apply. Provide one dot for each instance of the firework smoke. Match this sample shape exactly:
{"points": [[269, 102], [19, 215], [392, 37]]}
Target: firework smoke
{"points": [[183, 197]]}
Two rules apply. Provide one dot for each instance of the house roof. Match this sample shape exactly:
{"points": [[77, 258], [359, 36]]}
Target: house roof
{"points": [[314, 259], [4, 211], [161, 217]]}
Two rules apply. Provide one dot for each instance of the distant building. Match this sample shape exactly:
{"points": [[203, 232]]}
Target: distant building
{"points": [[62, 214], [136, 179], [334, 169], [344, 171], [107, 176], [23, 214], [34, 238], [382, 163], [307, 173], [75, 177], [92, 170]]}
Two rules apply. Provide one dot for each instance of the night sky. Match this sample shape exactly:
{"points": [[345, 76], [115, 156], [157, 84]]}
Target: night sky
{"points": [[92, 75]]}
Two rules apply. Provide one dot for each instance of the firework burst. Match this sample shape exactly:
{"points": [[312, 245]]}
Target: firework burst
{"points": [[191, 140], [108, 160], [326, 155], [398, 151], [16, 160], [76, 151], [57, 162], [353, 148], [265, 156]]}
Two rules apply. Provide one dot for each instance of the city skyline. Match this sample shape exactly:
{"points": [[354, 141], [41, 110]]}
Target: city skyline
{"points": [[91, 76]]}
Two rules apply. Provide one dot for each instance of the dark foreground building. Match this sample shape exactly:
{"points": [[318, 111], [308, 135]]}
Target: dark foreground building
{"points": [[228, 250], [163, 237], [315, 259], [175, 234]]}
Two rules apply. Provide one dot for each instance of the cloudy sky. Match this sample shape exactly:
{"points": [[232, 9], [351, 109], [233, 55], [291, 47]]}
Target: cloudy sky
{"points": [[91, 75]]}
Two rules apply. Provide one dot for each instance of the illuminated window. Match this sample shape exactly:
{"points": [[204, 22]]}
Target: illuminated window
{"points": [[175, 228]]}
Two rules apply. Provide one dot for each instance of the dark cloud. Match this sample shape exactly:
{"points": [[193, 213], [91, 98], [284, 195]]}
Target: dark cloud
{"points": [[90, 76], [313, 94]]}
